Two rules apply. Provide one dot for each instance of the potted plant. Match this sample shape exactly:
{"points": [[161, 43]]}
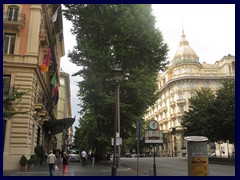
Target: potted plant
{"points": [[23, 163], [30, 163], [35, 159]]}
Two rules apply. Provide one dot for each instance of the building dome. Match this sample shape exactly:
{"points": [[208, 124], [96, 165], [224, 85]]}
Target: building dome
{"points": [[185, 53]]}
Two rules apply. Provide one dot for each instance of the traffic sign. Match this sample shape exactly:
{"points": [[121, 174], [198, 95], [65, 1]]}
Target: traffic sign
{"points": [[154, 136]]}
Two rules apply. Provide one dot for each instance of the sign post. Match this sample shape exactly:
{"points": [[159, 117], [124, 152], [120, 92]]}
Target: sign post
{"points": [[154, 136], [197, 155]]}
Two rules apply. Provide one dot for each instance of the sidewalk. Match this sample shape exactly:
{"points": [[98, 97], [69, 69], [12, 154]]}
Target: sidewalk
{"points": [[76, 169]]}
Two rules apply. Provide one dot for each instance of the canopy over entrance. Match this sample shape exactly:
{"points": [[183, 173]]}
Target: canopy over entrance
{"points": [[58, 125]]}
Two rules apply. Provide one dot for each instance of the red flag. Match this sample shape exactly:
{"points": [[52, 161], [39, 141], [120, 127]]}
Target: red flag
{"points": [[44, 66]]}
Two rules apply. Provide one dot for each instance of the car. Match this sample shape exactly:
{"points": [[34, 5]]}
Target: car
{"points": [[148, 154], [74, 155], [128, 155]]}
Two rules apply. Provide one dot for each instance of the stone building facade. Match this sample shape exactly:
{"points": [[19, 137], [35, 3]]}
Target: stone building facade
{"points": [[64, 110], [176, 85], [33, 36]]}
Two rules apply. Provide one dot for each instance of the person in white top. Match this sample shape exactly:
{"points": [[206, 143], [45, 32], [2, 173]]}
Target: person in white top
{"points": [[51, 161], [84, 157]]}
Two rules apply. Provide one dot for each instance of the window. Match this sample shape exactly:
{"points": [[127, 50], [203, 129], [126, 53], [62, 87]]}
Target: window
{"points": [[179, 71], [191, 85], [184, 143], [12, 13], [190, 70], [206, 85], [192, 94], [9, 42], [181, 108], [180, 85], [6, 84], [62, 82], [180, 96]]}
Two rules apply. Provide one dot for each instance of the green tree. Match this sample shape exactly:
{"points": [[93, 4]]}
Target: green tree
{"points": [[10, 100], [200, 115], [110, 35], [212, 115], [225, 103]]}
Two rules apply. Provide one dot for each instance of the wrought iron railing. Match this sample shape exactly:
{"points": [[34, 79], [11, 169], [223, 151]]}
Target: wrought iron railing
{"points": [[16, 18]]}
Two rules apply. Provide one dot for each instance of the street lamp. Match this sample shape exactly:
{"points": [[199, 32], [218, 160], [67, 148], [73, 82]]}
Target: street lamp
{"points": [[117, 76], [63, 139], [49, 139]]}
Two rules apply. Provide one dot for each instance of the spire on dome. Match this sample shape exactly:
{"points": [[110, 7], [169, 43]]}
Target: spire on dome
{"points": [[182, 27], [184, 52]]}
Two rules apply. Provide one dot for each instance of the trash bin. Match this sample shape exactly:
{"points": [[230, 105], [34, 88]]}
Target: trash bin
{"points": [[197, 155]]}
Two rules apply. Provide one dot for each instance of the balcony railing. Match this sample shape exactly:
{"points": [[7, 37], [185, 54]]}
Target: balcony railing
{"points": [[14, 20], [181, 101]]}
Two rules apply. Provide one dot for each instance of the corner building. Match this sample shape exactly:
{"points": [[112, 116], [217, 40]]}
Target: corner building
{"points": [[31, 35], [176, 85]]}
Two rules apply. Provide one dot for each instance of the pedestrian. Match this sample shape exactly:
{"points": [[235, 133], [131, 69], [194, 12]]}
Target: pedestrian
{"points": [[52, 162], [93, 158], [65, 163], [61, 155], [84, 156]]}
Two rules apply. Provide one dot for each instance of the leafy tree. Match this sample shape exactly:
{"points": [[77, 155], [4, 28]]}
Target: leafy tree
{"points": [[212, 115], [107, 36], [10, 100], [201, 112], [225, 103]]}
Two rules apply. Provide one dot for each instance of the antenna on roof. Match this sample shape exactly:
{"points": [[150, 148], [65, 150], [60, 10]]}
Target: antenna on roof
{"points": [[182, 27]]}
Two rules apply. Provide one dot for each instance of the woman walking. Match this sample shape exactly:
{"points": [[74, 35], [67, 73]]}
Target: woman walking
{"points": [[65, 164]]}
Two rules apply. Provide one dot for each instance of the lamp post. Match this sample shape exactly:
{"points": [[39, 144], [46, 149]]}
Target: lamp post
{"points": [[63, 139], [49, 139], [117, 76]]}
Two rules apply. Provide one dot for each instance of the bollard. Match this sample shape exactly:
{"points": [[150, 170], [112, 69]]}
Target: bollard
{"points": [[197, 155]]}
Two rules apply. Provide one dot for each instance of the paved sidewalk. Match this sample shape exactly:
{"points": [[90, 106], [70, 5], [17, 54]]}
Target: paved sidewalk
{"points": [[76, 169]]}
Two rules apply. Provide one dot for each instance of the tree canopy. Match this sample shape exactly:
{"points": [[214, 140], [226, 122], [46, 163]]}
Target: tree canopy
{"points": [[212, 114], [108, 36]]}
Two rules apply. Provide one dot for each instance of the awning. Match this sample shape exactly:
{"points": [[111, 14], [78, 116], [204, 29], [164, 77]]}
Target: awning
{"points": [[58, 125]]}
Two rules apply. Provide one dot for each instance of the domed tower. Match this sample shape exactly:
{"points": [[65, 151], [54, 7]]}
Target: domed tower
{"points": [[184, 52]]}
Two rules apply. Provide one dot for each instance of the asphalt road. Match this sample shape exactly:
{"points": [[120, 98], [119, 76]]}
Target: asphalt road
{"points": [[172, 166]]}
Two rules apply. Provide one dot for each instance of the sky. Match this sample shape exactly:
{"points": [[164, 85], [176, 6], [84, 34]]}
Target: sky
{"points": [[209, 29]]}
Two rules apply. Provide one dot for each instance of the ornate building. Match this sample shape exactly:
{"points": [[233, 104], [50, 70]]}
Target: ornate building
{"points": [[176, 85], [64, 110], [33, 46]]}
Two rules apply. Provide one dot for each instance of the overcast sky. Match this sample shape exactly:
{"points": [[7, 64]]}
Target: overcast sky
{"points": [[209, 29]]}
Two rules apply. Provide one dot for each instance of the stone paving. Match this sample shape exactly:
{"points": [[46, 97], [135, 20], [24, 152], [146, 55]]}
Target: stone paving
{"points": [[76, 169]]}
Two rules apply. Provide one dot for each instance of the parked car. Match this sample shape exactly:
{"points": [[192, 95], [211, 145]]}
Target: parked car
{"points": [[74, 155], [148, 154], [128, 155], [142, 155]]}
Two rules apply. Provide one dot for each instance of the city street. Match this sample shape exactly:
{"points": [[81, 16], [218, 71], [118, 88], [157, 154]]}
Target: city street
{"points": [[165, 166], [173, 166]]}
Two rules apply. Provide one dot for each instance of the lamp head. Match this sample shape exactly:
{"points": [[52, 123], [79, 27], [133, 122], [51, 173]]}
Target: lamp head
{"points": [[118, 74]]}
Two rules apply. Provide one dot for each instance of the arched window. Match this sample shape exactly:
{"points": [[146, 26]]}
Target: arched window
{"points": [[12, 13]]}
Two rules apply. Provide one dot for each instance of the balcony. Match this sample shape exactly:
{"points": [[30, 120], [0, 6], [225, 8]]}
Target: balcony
{"points": [[164, 108], [14, 22], [172, 103], [173, 115], [180, 114], [43, 37], [181, 101]]}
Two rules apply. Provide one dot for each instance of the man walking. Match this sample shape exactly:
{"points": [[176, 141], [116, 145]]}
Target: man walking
{"points": [[51, 161], [84, 157]]}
